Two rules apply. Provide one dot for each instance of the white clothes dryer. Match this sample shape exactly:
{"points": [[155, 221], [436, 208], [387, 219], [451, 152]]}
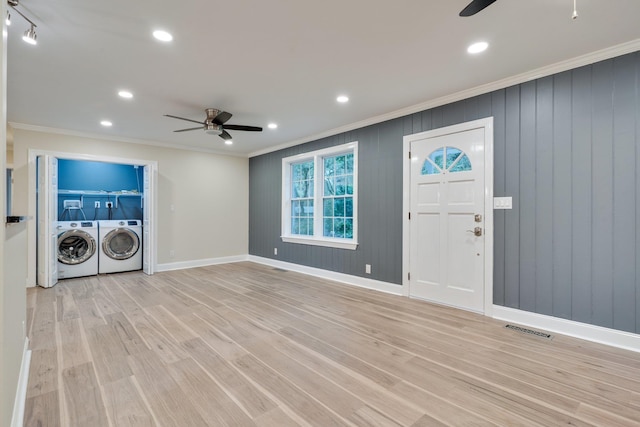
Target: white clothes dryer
{"points": [[120, 246], [77, 249]]}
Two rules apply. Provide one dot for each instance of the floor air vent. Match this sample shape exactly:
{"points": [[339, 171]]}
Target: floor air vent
{"points": [[529, 331]]}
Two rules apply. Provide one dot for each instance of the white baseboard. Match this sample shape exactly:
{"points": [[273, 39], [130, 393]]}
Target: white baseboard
{"points": [[348, 279], [200, 263], [612, 337], [17, 420]]}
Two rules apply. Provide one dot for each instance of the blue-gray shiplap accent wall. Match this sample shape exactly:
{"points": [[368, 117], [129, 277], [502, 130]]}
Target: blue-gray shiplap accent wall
{"points": [[567, 149]]}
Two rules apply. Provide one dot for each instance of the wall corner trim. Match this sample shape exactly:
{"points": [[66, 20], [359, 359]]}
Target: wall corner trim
{"points": [[585, 331], [347, 279], [17, 420]]}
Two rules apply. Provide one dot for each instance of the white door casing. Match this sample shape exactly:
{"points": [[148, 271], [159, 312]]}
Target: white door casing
{"points": [[448, 179], [147, 246], [150, 209]]}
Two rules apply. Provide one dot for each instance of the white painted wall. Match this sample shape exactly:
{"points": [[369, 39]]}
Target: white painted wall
{"points": [[209, 194]]}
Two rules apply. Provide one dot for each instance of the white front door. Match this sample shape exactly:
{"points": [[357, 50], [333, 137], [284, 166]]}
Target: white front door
{"points": [[448, 218]]}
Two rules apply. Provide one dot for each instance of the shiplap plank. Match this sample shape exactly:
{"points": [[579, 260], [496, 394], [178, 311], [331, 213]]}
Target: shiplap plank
{"points": [[581, 196], [562, 196], [602, 193]]}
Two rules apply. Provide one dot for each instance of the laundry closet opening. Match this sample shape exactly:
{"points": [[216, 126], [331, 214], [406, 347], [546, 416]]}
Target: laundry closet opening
{"points": [[93, 217]]}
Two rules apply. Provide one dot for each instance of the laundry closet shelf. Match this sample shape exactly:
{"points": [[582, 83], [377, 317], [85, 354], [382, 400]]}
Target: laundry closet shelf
{"points": [[93, 193]]}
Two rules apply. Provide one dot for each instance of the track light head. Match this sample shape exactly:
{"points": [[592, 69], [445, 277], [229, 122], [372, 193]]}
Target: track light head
{"points": [[8, 19], [30, 36]]}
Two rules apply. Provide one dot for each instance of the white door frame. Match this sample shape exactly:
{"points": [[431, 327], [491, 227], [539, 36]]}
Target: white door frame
{"points": [[31, 193], [487, 124]]}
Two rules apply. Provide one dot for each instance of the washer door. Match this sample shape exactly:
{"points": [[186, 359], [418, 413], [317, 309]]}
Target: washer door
{"points": [[120, 244], [75, 247]]}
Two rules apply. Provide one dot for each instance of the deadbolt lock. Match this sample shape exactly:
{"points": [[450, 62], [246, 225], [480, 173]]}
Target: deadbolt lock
{"points": [[478, 217]]}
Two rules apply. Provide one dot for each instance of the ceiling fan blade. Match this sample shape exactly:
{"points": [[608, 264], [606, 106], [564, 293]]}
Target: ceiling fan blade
{"points": [[182, 118], [475, 6], [225, 135], [184, 130], [222, 117], [241, 127]]}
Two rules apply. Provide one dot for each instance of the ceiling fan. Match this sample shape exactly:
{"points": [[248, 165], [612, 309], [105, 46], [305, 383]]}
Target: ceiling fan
{"points": [[476, 6], [214, 124]]}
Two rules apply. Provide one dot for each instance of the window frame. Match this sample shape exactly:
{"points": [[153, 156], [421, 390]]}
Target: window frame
{"points": [[318, 239]]}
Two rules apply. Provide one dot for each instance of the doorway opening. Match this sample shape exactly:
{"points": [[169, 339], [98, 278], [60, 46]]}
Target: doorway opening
{"points": [[45, 202]]}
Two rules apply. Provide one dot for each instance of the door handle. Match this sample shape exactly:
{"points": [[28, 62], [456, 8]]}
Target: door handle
{"points": [[476, 231]]}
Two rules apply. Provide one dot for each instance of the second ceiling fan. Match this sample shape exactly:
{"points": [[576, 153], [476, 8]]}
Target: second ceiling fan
{"points": [[214, 124], [476, 6]]}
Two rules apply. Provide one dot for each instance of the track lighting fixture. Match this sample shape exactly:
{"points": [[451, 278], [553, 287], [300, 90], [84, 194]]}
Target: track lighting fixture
{"points": [[8, 20], [29, 35]]}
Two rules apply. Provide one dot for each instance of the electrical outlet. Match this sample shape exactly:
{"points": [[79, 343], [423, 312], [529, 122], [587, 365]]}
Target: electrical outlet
{"points": [[367, 268], [275, 251], [109, 205], [96, 205]]}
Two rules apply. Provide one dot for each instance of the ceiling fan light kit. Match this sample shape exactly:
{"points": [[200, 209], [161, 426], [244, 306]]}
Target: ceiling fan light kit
{"points": [[214, 124]]}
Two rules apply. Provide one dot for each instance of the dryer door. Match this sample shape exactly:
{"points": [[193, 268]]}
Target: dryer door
{"points": [[120, 244], [75, 247]]}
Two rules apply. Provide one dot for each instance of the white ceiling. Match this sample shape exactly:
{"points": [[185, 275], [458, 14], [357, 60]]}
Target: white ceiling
{"points": [[282, 61]]}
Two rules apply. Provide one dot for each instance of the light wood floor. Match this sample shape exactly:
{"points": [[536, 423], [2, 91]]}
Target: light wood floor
{"points": [[248, 345]]}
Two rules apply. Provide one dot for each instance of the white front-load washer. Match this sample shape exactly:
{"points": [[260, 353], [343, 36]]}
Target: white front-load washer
{"points": [[120, 245], [77, 249]]}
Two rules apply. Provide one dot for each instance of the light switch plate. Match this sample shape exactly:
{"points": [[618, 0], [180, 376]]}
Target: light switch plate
{"points": [[502, 203]]}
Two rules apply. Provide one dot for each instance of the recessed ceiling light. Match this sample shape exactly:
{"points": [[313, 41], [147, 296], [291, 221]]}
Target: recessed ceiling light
{"points": [[228, 141], [342, 99], [125, 94], [272, 126], [106, 123], [478, 47], [162, 35]]}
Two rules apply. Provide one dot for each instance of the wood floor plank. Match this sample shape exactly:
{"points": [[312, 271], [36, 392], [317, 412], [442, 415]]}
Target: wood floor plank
{"points": [[128, 336], [109, 354], [65, 304], [173, 325], [72, 344], [168, 402], [377, 398], [301, 403], [43, 410], [252, 400], [155, 336], [246, 344], [43, 373], [207, 396], [125, 405], [83, 399], [278, 417], [89, 313]]}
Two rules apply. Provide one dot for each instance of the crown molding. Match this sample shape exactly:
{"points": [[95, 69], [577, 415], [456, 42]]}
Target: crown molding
{"points": [[67, 132], [569, 64]]}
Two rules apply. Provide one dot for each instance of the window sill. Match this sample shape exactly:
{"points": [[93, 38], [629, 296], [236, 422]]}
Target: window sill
{"points": [[329, 243]]}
